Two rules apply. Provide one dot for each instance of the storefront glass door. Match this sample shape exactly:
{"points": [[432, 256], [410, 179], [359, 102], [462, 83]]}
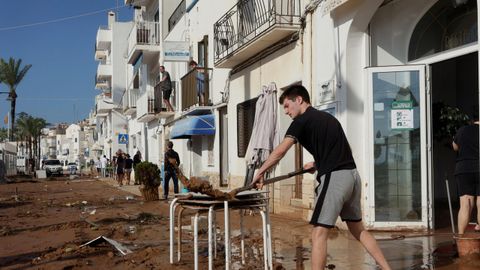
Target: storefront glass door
{"points": [[398, 193]]}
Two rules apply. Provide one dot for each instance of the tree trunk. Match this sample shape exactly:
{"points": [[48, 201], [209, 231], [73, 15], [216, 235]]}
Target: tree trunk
{"points": [[12, 117]]}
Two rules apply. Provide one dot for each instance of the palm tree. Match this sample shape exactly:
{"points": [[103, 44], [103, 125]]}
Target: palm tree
{"points": [[29, 130], [11, 74]]}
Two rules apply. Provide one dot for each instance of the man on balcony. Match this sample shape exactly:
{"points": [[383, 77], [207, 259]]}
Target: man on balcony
{"points": [[166, 84], [200, 81]]}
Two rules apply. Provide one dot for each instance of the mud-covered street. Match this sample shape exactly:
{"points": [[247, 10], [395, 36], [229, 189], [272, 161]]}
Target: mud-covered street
{"points": [[44, 223]]}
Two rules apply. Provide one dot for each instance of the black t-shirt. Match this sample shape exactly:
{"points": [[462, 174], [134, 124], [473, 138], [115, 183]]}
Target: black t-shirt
{"points": [[322, 135], [170, 153], [467, 157], [120, 162], [167, 83], [128, 163]]}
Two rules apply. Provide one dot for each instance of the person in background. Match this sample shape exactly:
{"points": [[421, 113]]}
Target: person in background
{"points": [[98, 165], [200, 77], [104, 163], [128, 169], [467, 175], [137, 158], [120, 168], [339, 186], [169, 170], [166, 84]]}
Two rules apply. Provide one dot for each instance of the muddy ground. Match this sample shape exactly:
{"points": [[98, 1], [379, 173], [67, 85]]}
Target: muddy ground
{"points": [[44, 223]]}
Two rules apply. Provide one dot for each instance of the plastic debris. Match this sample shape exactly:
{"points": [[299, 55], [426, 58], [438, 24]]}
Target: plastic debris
{"points": [[101, 239]]}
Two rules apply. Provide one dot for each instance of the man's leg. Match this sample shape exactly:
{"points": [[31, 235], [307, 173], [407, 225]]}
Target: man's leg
{"points": [[175, 183], [466, 205], [368, 241], [319, 247], [165, 185]]}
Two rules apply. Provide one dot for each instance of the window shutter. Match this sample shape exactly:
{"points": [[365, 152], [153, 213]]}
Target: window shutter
{"points": [[245, 119]]}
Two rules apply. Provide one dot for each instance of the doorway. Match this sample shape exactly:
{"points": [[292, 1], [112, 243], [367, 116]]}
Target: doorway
{"points": [[454, 94]]}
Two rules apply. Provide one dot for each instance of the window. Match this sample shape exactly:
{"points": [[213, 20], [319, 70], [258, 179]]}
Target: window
{"points": [[245, 119], [202, 52], [445, 26]]}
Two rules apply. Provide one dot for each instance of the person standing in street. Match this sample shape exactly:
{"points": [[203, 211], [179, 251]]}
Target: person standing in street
{"points": [[166, 84], [137, 158], [339, 190], [120, 167], [128, 168], [98, 165], [103, 163], [169, 170], [467, 175]]}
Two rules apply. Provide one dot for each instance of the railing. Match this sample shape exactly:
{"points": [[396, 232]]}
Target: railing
{"points": [[250, 18], [144, 33], [129, 99], [194, 79]]}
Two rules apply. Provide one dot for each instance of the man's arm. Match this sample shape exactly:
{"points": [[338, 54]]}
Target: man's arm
{"points": [[455, 146], [277, 154]]}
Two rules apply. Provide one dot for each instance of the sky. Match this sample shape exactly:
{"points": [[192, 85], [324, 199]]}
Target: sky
{"points": [[59, 44]]}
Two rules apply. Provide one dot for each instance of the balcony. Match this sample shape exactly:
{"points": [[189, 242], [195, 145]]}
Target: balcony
{"points": [[251, 26], [103, 41], [137, 2], [103, 83], [190, 82], [150, 106], [103, 105], [144, 38], [129, 100], [104, 70]]}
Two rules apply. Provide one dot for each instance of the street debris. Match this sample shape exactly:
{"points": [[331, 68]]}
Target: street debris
{"points": [[102, 239]]}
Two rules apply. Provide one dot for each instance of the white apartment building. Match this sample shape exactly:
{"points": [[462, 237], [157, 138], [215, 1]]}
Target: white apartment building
{"points": [[110, 51]]}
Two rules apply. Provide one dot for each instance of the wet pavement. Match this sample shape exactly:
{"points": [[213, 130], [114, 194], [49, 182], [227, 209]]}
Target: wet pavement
{"points": [[404, 250]]}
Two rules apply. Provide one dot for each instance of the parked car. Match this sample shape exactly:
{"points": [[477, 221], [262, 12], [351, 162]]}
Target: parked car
{"points": [[53, 166], [71, 168]]}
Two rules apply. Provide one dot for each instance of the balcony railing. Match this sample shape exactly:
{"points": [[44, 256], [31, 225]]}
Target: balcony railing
{"points": [[129, 100], [143, 33], [194, 79], [250, 19]]}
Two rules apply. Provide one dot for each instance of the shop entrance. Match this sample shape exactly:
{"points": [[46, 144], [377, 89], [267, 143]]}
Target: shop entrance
{"points": [[454, 95]]}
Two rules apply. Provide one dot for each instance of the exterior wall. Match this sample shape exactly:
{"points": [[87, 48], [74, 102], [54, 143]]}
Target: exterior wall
{"points": [[391, 47], [198, 156], [120, 32]]}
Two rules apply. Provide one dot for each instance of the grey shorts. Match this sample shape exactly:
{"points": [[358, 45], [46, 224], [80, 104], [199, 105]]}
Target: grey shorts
{"points": [[338, 194]]}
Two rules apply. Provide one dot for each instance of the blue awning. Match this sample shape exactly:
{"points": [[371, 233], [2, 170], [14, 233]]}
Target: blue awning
{"points": [[193, 126]]}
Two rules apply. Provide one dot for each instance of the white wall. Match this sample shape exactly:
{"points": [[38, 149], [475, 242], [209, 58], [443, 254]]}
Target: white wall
{"points": [[391, 29]]}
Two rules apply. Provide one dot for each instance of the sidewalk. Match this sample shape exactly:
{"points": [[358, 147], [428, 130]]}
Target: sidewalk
{"points": [[404, 250]]}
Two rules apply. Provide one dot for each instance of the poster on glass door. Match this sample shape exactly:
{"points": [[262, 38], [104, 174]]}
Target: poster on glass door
{"points": [[402, 115]]}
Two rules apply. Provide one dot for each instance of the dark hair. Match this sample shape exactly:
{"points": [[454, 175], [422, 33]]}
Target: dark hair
{"points": [[170, 144], [162, 67], [294, 91], [474, 115], [191, 63]]}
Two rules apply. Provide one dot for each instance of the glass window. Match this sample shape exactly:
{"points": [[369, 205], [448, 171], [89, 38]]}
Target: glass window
{"points": [[445, 26]]}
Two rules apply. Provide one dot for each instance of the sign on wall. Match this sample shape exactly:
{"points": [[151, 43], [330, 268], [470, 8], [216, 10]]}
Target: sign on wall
{"points": [[175, 51], [325, 92], [122, 138]]}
